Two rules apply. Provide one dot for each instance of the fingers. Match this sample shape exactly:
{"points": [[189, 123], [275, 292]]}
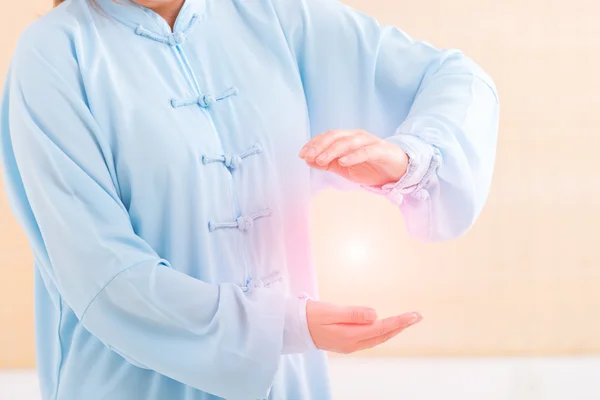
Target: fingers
{"points": [[349, 329], [397, 325], [373, 152], [358, 315], [316, 145], [376, 341], [326, 147], [331, 167], [384, 326], [342, 147], [314, 165], [331, 314]]}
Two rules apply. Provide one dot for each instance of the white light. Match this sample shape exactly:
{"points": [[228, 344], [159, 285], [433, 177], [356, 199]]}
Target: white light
{"points": [[355, 252]]}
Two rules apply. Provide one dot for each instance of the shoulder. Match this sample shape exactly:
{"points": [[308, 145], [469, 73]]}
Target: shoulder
{"points": [[293, 9], [322, 22], [317, 15], [47, 57], [53, 37], [307, 5]]}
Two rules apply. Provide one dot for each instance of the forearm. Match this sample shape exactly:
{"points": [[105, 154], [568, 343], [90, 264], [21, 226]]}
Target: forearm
{"points": [[450, 135]]}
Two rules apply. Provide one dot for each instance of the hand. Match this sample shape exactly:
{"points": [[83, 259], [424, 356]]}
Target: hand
{"points": [[356, 155], [349, 329]]}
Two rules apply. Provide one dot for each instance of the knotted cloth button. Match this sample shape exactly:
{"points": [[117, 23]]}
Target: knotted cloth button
{"points": [[244, 223], [208, 100], [176, 38], [396, 196], [233, 161], [421, 194], [258, 284]]}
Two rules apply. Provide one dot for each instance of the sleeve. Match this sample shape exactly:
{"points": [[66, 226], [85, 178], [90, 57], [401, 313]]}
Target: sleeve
{"points": [[59, 181], [436, 104]]}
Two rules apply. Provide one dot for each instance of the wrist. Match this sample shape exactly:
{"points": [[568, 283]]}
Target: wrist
{"points": [[399, 167], [296, 335], [419, 155]]}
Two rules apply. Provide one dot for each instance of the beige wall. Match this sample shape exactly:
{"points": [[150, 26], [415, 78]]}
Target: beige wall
{"points": [[526, 280]]}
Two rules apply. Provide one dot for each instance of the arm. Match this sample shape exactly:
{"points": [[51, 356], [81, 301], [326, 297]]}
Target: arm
{"points": [[59, 180], [436, 105]]}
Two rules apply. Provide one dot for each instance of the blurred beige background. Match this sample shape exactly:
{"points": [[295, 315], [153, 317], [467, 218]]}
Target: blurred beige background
{"points": [[526, 279]]}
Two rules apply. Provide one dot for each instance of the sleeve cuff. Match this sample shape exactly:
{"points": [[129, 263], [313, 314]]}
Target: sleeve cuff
{"points": [[296, 335], [423, 161]]}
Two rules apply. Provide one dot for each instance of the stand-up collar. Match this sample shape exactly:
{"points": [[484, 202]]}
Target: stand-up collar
{"points": [[143, 19]]}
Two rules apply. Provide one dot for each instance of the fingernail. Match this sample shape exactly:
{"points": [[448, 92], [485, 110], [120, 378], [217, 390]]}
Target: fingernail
{"points": [[310, 152], [416, 318], [322, 158], [303, 151], [343, 160]]}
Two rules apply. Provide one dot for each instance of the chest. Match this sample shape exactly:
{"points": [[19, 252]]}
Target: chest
{"points": [[219, 95]]}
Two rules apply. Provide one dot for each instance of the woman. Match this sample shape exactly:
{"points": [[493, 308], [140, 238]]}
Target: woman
{"points": [[161, 155]]}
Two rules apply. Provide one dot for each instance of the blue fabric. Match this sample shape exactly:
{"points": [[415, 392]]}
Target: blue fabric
{"points": [[156, 176]]}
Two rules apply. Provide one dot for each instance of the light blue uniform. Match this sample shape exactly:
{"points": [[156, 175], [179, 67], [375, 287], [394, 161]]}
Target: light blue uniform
{"points": [[156, 176]]}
